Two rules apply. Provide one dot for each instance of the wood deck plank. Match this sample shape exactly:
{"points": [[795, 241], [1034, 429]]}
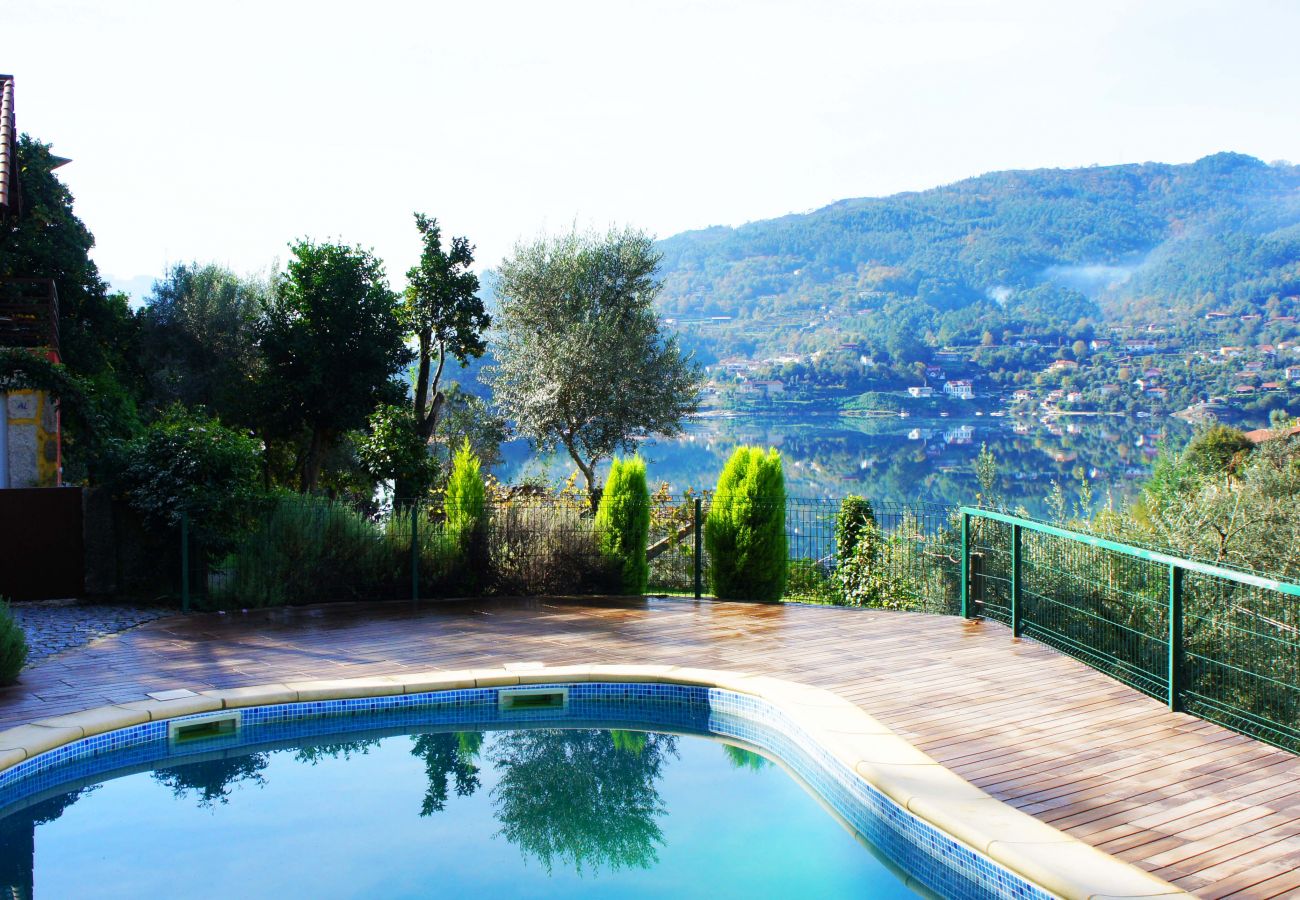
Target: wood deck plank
{"points": [[1212, 811]]}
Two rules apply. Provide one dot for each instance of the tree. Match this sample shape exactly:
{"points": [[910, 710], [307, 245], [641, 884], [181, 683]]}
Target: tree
{"points": [[442, 309], [96, 330], [582, 362], [331, 344], [198, 340]]}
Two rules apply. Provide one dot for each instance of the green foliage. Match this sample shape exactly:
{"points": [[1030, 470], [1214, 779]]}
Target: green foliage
{"points": [[197, 337], [744, 532], [301, 544], [331, 344], [188, 461], [466, 498], [442, 310], [1217, 450], [13, 645], [582, 361], [623, 522], [392, 450], [1026, 252], [855, 514], [97, 334], [807, 582]]}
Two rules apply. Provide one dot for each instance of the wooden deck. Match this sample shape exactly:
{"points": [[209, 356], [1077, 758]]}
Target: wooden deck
{"points": [[1212, 811]]}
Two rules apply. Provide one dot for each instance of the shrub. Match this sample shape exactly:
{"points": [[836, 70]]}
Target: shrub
{"points": [[466, 498], [623, 523], [305, 546], [13, 645], [547, 548], [744, 532], [186, 460], [855, 514]]}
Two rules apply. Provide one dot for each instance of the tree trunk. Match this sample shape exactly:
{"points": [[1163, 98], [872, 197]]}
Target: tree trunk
{"points": [[312, 463]]}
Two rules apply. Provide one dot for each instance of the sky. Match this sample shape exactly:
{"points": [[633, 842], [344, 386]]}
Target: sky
{"points": [[222, 131]]}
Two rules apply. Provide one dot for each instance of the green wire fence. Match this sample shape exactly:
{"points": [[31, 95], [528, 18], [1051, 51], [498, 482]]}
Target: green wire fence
{"points": [[1211, 640]]}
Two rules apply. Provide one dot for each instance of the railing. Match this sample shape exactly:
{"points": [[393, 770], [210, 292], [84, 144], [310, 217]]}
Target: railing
{"points": [[1212, 640], [29, 313], [1218, 642]]}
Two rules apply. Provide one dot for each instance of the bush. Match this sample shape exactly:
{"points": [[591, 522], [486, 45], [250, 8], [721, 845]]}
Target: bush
{"points": [[539, 549], [187, 461], [466, 498], [855, 514], [744, 532], [303, 547], [623, 523], [13, 645]]}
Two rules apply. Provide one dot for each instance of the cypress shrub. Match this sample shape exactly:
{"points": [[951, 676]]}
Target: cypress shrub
{"points": [[623, 523], [465, 534], [744, 532], [13, 645], [859, 551], [466, 498]]}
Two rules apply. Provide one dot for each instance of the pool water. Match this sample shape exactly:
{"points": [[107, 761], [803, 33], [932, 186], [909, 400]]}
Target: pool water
{"points": [[538, 811]]}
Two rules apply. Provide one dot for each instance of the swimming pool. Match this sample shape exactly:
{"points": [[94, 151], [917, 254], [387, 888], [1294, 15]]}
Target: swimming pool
{"points": [[545, 789]]}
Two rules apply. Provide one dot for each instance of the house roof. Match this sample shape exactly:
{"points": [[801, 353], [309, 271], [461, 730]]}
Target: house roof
{"points": [[1260, 435], [8, 146]]}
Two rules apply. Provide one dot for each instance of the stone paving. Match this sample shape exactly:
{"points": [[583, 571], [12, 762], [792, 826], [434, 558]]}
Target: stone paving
{"points": [[54, 626]]}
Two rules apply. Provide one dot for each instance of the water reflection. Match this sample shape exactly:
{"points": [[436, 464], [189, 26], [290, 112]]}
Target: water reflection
{"points": [[586, 799], [906, 460]]}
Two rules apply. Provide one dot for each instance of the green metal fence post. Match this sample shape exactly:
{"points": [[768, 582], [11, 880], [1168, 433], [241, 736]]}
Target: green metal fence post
{"points": [[185, 561], [1175, 638], [415, 552], [1016, 611], [965, 566], [699, 543]]}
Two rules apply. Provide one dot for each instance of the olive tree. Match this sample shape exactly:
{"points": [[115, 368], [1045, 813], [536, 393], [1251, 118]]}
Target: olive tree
{"points": [[582, 362]]}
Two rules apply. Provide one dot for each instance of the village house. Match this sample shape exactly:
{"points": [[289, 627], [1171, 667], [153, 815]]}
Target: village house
{"points": [[1022, 395], [1063, 365], [960, 389], [920, 391], [1292, 373]]}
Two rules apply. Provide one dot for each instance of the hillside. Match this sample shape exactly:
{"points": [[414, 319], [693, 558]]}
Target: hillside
{"points": [[1049, 253]]}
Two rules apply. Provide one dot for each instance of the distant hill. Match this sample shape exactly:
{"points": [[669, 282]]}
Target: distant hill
{"points": [[1008, 252]]}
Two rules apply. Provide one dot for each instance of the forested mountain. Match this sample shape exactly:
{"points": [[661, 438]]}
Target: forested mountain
{"points": [[1048, 252]]}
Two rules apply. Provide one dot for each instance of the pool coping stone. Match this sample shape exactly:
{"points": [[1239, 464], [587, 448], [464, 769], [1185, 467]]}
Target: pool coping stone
{"points": [[1034, 850]]}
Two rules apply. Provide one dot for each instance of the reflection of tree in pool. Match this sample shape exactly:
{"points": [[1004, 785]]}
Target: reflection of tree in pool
{"points": [[448, 758], [740, 758], [582, 797], [344, 750], [18, 842], [211, 780]]}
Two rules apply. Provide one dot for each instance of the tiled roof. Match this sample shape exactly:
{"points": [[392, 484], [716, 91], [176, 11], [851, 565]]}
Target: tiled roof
{"points": [[8, 146], [1260, 435]]}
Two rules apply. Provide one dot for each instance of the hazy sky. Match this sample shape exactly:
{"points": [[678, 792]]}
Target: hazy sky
{"points": [[219, 131]]}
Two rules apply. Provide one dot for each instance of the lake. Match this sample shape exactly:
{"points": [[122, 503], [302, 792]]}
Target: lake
{"points": [[904, 459]]}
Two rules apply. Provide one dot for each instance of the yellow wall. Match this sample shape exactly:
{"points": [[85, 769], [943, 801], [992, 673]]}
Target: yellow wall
{"points": [[33, 439]]}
